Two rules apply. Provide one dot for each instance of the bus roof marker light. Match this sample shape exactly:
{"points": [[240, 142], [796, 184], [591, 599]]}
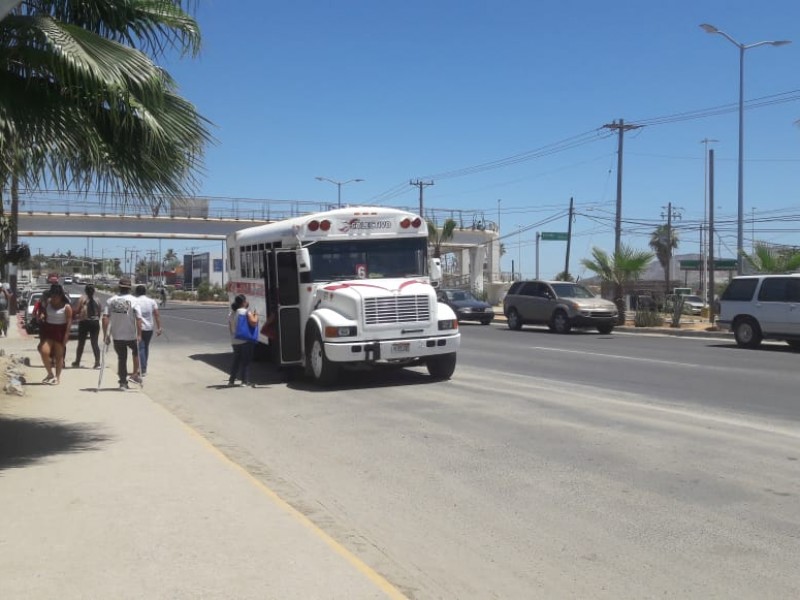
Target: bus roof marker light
{"points": [[405, 223], [313, 225], [325, 225], [416, 223]]}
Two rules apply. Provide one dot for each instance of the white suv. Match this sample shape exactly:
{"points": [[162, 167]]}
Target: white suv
{"points": [[757, 307]]}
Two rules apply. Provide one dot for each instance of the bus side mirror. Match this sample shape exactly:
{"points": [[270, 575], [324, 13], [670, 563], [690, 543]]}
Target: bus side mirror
{"points": [[303, 260], [435, 270]]}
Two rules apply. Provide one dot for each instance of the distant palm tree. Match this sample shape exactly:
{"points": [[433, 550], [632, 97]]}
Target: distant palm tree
{"points": [[171, 259], [618, 269], [663, 241], [767, 259], [437, 237]]}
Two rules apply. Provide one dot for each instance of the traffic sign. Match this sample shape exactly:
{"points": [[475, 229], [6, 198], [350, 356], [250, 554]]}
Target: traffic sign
{"points": [[549, 236], [725, 263], [721, 264]]}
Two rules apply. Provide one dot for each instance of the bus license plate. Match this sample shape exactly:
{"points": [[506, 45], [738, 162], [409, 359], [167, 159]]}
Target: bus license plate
{"points": [[401, 347]]}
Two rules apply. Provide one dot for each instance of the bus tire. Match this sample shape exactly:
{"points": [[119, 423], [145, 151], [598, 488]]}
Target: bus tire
{"points": [[441, 366], [321, 370]]}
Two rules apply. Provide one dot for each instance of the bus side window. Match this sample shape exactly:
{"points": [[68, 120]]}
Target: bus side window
{"points": [[232, 258]]}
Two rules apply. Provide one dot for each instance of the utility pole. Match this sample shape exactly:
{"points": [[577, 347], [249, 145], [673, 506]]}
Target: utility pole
{"points": [[538, 237], [621, 129], [711, 266], [671, 212], [569, 237], [703, 241], [421, 185]]}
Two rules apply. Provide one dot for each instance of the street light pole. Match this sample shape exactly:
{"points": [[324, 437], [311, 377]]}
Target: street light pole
{"points": [[740, 194], [338, 185]]}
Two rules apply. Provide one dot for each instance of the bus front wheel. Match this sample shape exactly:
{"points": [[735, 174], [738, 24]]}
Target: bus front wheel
{"points": [[322, 370], [441, 366]]}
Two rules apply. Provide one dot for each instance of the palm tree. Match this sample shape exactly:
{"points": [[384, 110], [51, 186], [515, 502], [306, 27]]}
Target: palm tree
{"points": [[437, 237], [663, 241], [767, 259], [618, 269], [171, 259], [83, 104]]}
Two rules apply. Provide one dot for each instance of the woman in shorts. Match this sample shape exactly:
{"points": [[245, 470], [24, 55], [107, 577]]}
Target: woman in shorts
{"points": [[56, 318]]}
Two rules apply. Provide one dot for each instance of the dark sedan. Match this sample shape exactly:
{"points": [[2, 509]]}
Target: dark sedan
{"points": [[466, 306]]}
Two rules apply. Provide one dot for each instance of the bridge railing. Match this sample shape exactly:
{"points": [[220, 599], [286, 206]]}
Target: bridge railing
{"points": [[265, 209]]}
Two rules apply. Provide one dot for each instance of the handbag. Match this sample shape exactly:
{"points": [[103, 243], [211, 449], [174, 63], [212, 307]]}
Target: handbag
{"points": [[245, 331]]}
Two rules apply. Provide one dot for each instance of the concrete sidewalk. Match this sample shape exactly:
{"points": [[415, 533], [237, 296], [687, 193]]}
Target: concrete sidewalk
{"points": [[108, 495]]}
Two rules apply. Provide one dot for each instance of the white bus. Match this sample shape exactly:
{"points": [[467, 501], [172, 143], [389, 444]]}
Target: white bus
{"points": [[350, 286]]}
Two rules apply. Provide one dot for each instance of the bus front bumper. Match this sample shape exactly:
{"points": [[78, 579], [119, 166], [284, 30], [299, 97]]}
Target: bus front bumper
{"points": [[393, 349]]}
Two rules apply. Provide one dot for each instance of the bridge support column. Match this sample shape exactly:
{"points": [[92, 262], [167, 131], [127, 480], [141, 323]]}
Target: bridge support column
{"points": [[477, 256]]}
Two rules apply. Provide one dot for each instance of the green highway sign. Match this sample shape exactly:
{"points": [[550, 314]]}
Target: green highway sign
{"points": [[721, 264], [549, 236], [725, 263]]}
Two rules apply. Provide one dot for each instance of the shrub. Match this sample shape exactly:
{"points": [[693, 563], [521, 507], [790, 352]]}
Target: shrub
{"points": [[206, 291], [648, 318]]}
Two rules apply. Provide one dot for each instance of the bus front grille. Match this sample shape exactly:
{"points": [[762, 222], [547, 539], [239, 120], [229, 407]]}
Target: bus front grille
{"points": [[397, 309]]}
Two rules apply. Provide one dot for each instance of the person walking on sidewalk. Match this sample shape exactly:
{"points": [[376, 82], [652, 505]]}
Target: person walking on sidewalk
{"points": [[89, 311], [242, 349], [122, 321], [56, 318], [5, 303], [151, 319]]}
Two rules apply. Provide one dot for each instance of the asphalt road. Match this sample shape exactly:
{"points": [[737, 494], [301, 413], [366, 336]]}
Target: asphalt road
{"points": [[620, 466]]}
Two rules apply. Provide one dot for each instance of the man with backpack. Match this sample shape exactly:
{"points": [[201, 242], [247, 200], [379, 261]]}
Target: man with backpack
{"points": [[89, 313], [122, 320]]}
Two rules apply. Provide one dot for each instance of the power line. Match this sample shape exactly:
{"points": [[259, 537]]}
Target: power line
{"points": [[595, 135]]}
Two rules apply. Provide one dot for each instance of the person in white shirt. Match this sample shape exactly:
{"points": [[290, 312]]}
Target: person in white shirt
{"points": [[122, 321], [151, 321]]}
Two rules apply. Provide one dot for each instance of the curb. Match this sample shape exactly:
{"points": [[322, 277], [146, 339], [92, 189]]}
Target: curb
{"points": [[673, 331]]}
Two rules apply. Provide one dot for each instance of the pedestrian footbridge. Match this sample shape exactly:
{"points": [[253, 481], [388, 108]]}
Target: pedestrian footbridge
{"points": [[471, 257]]}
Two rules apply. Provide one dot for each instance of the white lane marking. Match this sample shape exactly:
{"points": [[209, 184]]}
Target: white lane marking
{"points": [[195, 320], [578, 394], [628, 358]]}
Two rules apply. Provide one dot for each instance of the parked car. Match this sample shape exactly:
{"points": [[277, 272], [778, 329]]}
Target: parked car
{"points": [[693, 305], [73, 301], [466, 306], [758, 307], [67, 280], [32, 326], [561, 305]]}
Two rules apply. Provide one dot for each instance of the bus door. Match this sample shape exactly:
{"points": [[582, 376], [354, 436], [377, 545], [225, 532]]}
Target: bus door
{"points": [[283, 293]]}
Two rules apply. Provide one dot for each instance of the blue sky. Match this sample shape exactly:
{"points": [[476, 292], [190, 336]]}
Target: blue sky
{"points": [[391, 91]]}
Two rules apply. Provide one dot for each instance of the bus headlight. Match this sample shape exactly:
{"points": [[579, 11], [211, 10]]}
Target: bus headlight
{"points": [[338, 332], [448, 324]]}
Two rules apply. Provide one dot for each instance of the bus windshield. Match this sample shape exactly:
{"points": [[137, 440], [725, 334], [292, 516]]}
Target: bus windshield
{"points": [[368, 259]]}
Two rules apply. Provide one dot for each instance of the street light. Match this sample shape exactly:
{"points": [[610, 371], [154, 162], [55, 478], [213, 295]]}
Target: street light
{"points": [[740, 210], [338, 185]]}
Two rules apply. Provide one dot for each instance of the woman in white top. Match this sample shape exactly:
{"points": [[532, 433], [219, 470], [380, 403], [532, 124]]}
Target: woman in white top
{"points": [[54, 333], [151, 320]]}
